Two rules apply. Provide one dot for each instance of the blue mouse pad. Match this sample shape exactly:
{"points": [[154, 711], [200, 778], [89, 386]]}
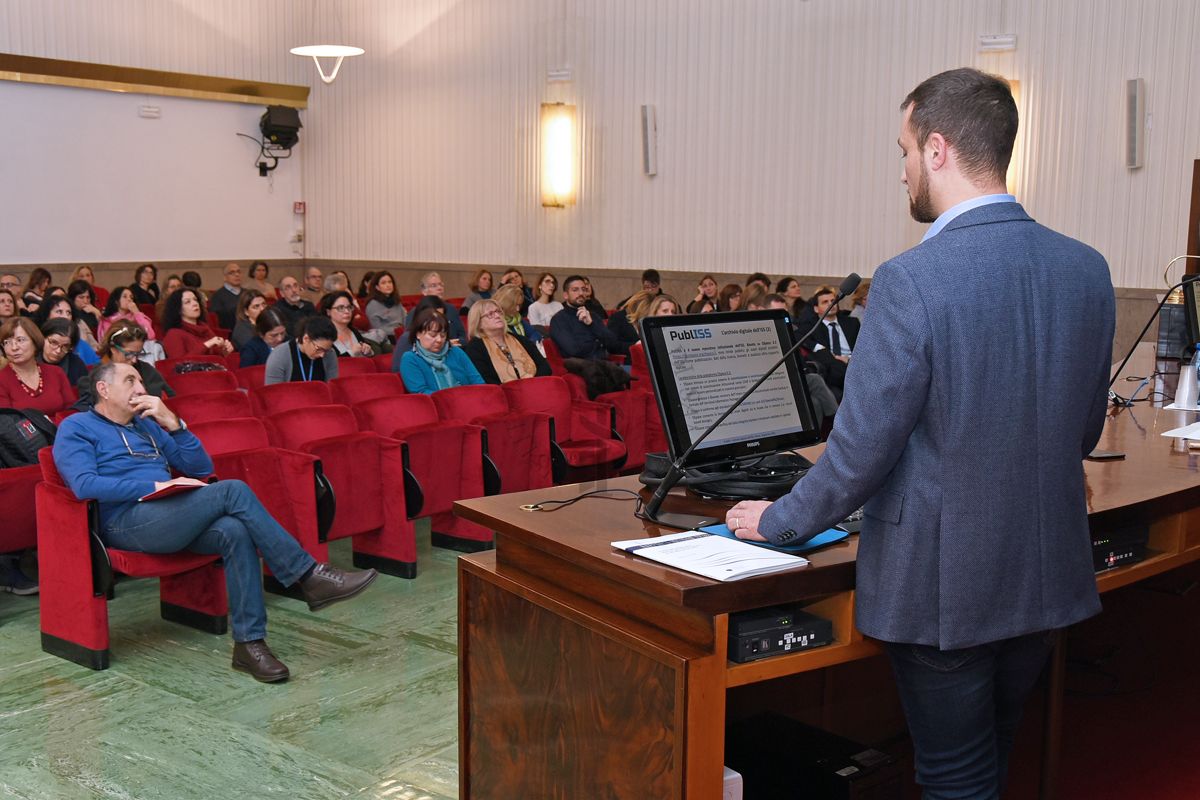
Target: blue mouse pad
{"points": [[830, 536]]}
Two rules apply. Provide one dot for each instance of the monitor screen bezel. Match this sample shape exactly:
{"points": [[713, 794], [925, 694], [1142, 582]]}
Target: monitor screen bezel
{"points": [[670, 409]]}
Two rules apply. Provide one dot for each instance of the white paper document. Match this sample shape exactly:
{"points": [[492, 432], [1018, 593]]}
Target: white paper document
{"points": [[1186, 432], [711, 556]]}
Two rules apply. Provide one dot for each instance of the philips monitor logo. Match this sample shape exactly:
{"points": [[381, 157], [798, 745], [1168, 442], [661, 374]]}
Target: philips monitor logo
{"points": [[694, 333]]}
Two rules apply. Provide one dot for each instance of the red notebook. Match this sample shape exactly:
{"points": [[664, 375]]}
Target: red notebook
{"points": [[167, 491]]}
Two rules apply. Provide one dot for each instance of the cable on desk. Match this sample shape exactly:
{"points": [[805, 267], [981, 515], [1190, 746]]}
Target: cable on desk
{"points": [[559, 504]]}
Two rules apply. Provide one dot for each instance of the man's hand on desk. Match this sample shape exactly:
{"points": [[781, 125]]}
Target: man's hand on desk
{"points": [[743, 519]]}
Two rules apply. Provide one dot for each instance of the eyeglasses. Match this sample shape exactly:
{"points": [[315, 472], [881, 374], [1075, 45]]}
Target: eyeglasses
{"points": [[129, 353], [495, 312], [342, 307], [58, 347], [16, 341], [157, 454]]}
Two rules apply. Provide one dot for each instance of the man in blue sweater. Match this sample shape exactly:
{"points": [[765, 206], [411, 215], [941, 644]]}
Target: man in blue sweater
{"points": [[126, 447]]}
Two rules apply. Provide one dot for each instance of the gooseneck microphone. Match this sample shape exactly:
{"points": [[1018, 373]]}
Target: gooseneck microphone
{"points": [[691, 521], [1115, 398]]}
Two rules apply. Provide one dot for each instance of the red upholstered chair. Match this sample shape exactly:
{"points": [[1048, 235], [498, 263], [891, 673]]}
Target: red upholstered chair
{"points": [[251, 378], [367, 472], [17, 485], [356, 366], [383, 362], [631, 423], [518, 442], [640, 368], [166, 366], [288, 483], [446, 459], [208, 406], [655, 437], [586, 443], [207, 381], [233, 361], [410, 300], [554, 357], [360, 388], [286, 396], [150, 310], [75, 576]]}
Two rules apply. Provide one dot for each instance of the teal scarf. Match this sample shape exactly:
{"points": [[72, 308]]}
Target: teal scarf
{"points": [[437, 363]]}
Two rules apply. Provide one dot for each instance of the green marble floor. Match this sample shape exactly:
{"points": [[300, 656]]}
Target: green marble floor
{"points": [[370, 710]]}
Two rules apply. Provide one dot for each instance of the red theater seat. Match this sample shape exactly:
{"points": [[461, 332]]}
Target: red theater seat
{"points": [[518, 442], [446, 458], [367, 472], [207, 406], [356, 366], [251, 378], [166, 366], [206, 381], [383, 361], [17, 485], [76, 575], [286, 396], [585, 437], [360, 388]]}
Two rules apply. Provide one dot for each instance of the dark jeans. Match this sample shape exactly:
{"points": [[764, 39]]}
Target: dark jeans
{"points": [[224, 518], [963, 707]]}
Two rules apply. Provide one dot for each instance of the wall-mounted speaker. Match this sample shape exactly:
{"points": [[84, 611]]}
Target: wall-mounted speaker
{"points": [[280, 125], [1135, 123], [649, 140]]}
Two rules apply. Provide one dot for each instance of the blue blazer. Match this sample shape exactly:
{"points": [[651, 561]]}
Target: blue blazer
{"points": [[418, 376], [977, 386]]}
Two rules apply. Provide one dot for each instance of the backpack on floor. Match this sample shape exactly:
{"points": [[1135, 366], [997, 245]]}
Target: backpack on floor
{"points": [[23, 431]]}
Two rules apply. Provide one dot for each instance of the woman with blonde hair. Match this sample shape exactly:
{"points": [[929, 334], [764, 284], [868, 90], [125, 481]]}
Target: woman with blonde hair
{"points": [[662, 306], [498, 354], [510, 298], [623, 321], [858, 300]]}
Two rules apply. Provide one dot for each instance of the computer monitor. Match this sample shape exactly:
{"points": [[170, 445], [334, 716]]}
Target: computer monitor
{"points": [[701, 363], [1191, 316]]}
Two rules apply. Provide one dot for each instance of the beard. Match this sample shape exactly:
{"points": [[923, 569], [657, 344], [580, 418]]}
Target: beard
{"points": [[920, 205]]}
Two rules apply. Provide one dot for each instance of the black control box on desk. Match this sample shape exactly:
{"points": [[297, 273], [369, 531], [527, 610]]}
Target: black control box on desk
{"points": [[772, 631], [779, 757], [1119, 547]]}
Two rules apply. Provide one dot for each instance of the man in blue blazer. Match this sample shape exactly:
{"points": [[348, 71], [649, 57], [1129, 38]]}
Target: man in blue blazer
{"points": [[977, 387]]}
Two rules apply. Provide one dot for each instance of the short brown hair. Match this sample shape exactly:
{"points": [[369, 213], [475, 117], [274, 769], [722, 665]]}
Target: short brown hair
{"points": [[24, 323]]}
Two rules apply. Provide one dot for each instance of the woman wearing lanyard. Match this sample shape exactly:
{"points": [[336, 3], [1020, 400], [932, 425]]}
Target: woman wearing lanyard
{"points": [[309, 357]]}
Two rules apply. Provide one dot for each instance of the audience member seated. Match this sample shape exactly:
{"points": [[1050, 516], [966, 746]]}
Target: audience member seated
{"points": [[825, 402], [831, 344], [433, 363], [124, 343], [186, 331], [84, 273], [59, 338], [586, 342], [83, 299], [35, 289], [706, 297], [270, 331], [144, 287], [308, 357], [173, 283], [365, 285], [651, 283], [509, 298], [251, 303], [224, 301], [259, 274], [59, 307], [385, 312], [294, 308], [24, 383], [314, 285], [730, 298], [623, 322], [761, 279], [433, 287], [8, 305], [662, 306], [513, 277], [405, 342], [858, 300], [591, 302], [542, 310], [11, 283], [498, 354], [336, 281], [791, 291], [126, 448], [481, 289], [339, 308], [754, 297], [122, 306]]}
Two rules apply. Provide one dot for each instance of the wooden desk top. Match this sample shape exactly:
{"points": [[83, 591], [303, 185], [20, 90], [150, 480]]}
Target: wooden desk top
{"points": [[1157, 477]]}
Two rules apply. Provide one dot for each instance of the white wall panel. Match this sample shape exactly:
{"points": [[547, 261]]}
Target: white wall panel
{"points": [[777, 119]]}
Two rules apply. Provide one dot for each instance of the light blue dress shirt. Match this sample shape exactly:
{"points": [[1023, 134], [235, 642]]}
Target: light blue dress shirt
{"points": [[962, 208]]}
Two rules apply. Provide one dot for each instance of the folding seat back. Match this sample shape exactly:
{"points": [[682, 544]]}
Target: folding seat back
{"points": [[251, 378], [466, 403], [231, 435], [75, 577], [383, 361], [206, 381], [356, 366], [518, 442], [286, 396], [233, 361], [640, 367], [385, 415], [585, 437], [553, 356], [547, 395], [167, 366], [17, 485], [360, 388], [206, 406]]}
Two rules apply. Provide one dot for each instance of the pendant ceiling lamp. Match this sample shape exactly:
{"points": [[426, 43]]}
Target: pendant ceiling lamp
{"points": [[338, 52]]}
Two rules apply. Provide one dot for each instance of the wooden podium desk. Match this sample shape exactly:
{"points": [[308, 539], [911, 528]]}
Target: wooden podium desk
{"points": [[586, 672]]}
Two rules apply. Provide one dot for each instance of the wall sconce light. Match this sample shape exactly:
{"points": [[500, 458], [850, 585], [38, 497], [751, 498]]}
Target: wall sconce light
{"points": [[560, 155]]}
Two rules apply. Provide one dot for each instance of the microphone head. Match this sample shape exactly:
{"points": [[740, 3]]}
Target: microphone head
{"points": [[849, 284]]}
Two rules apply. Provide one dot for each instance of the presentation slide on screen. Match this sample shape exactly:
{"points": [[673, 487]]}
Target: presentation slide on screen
{"points": [[714, 363]]}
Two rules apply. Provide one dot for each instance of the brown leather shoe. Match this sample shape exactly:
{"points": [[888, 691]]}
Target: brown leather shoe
{"points": [[328, 584], [257, 659]]}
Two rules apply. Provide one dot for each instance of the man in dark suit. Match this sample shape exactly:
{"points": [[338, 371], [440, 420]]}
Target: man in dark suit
{"points": [[224, 301], [832, 342], [978, 385]]}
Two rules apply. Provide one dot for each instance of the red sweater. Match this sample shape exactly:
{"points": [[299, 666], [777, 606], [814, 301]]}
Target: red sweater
{"points": [[179, 343], [56, 395]]}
